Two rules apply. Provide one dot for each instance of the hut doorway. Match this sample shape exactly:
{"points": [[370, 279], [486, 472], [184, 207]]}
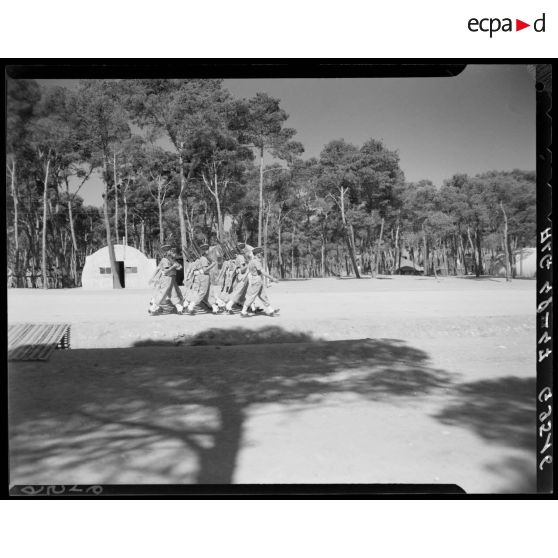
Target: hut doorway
{"points": [[120, 269]]}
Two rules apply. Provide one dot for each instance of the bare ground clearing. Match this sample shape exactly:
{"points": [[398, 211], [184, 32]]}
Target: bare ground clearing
{"points": [[397, 380]]}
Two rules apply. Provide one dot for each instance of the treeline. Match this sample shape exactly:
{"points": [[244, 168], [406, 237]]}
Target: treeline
{"points": [[184, 160]]}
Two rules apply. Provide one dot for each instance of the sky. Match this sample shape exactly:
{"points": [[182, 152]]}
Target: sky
{"points": [[480, 120]]}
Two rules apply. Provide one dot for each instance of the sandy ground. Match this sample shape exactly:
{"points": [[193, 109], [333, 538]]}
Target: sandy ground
{"points": [[375, 381]]}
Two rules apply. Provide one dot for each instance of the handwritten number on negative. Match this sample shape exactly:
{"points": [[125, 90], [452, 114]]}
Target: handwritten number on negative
{"points": [[544, 354], [546, 459], [546, 288], [544, 304], [545, 428], [543, 416], [545, 338]]}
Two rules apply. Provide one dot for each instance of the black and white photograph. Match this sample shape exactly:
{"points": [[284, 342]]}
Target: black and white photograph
{"points": [[272, 280]]}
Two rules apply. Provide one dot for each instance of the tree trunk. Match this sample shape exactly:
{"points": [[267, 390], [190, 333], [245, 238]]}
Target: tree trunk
{"points": [[183, 241], [479, 251], [346, 232], [220, 225], [446, 261], [125, 219], [260, 209], [396, 258], [15, 200], [352, 233], [292, 252], [477, 273], [512, 248], [338, 263], [266, 225], [142, 236], [378, 248], [434, 260], [17, 270], [506, 251], [160, 207], [74, 262], [464, 264], [279, 254], [323, 257], [115, 279], [352, 255], [44, 270], [115, 198]]}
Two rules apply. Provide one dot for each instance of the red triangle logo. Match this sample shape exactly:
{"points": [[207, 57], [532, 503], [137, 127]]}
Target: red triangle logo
{"points": [[519, 25]]}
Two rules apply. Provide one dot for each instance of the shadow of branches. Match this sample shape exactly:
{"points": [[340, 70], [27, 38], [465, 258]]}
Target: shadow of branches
{"points": [[501, 411], [176, 413]]}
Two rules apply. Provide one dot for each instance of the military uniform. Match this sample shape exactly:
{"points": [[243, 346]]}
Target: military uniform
{"points": [[167, 281], [239, 282], [167, 286], [199, 291], [225, 285], [256, 285]]}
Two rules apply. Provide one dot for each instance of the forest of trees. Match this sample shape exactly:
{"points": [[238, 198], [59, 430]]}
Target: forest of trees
{"points": [[184, 160]]}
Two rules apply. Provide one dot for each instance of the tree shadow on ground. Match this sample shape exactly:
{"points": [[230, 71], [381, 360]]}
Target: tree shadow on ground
{"points": [[176, 414], [501, 411]]}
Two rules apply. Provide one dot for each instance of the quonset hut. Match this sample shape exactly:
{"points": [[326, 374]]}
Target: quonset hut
{"points": [[134, 269]]}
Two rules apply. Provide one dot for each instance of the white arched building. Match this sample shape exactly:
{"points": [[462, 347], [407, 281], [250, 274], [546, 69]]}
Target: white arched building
{"points": [[134, 269]]}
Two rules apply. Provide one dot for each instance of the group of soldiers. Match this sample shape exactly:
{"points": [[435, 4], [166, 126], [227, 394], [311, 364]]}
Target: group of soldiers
{"points": [[241, 282]]}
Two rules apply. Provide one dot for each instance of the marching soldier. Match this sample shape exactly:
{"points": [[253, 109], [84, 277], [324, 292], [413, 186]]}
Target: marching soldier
{"points": [[256, 288], [240, 278], [201, 284], [164, 279], [225, 283]]}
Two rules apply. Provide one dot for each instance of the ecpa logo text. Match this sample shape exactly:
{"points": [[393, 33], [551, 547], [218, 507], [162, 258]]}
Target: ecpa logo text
{"points": [[494, 24]]}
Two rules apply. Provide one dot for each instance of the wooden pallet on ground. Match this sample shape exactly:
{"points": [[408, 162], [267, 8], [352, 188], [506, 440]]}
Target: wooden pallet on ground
{"points": [[36, 341]]}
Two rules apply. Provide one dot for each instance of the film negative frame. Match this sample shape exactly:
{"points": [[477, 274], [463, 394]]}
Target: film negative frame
{"points": [[341, 68], [545, 250]]}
